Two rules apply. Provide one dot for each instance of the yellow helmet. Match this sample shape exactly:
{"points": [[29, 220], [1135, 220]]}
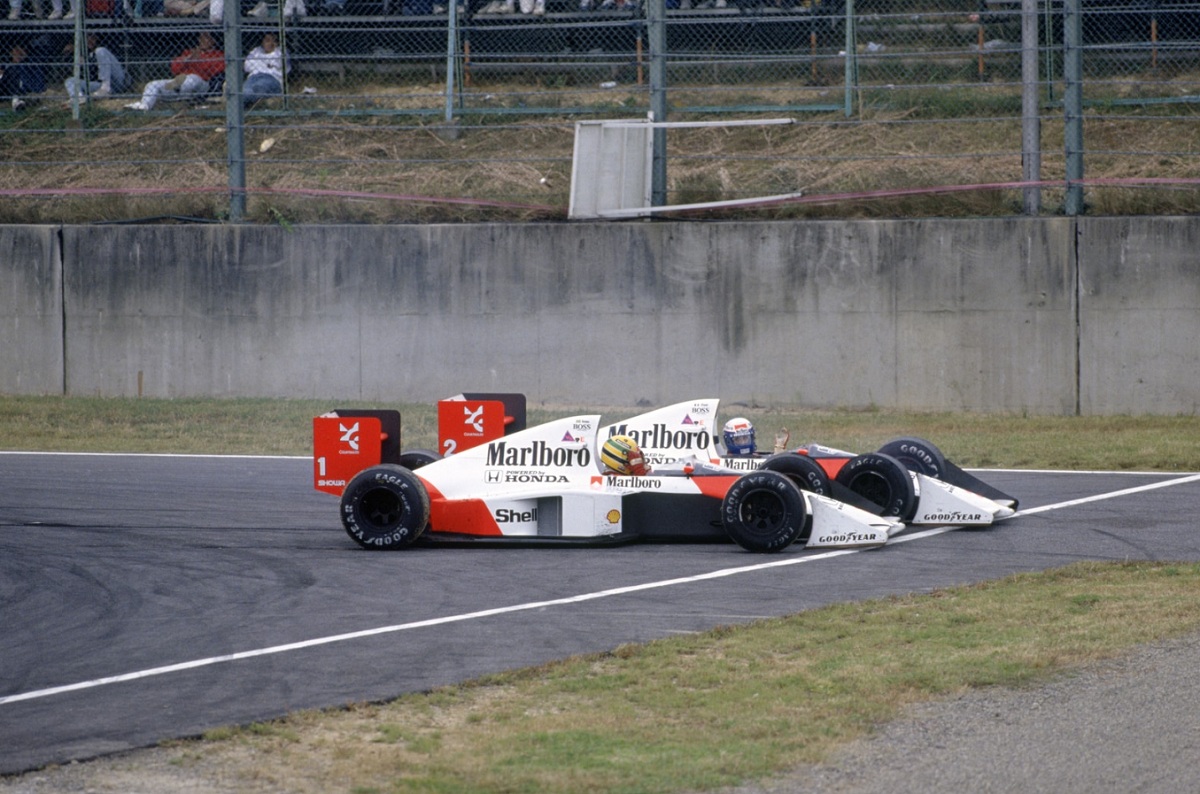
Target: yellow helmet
{"points": [[622, 455]]}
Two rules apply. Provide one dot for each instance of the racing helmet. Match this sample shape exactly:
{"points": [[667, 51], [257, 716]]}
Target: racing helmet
{"points": [[739, 437], [622, 455]]}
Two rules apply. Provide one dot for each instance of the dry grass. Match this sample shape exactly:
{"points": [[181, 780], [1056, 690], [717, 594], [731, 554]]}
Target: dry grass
{"points": [[349, 157]]}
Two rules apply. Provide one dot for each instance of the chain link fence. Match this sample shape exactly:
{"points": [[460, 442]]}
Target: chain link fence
{"points": [[410, 110]]}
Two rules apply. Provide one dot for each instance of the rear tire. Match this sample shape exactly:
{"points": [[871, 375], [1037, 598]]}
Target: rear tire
{"points": [[917, 455], [803, 470], [764, 511], [882, 480], [414, 459], [385, 507]]}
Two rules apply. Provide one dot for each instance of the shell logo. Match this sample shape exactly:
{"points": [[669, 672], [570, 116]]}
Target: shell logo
{"points": [[613, 516]]}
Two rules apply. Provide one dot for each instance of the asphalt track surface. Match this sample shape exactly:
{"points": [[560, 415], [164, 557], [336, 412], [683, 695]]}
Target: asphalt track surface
{"points": [[150, 597]]}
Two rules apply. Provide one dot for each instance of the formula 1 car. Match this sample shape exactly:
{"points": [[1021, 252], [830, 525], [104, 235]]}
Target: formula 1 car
{"points": [[907, 478], [545, 484]]}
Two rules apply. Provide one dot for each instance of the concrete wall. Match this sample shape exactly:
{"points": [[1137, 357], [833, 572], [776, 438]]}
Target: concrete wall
{"points": [[31, 311], [1139, 315], [1045, 316]]}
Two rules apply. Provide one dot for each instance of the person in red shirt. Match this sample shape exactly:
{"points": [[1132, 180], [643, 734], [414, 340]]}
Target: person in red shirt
{"points": [[197, 72]]}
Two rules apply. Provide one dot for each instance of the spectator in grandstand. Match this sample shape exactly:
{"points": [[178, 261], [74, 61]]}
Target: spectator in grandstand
{"points": [[535, 7], [614, 5], [186, 8], [20, 78], [264, 71], [104, 76], [196, 72], [56, 9], [291, 8]]}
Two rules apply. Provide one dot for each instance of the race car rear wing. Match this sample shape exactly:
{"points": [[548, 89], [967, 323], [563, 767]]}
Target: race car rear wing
{"points": [[348, 440], [470, 419]]}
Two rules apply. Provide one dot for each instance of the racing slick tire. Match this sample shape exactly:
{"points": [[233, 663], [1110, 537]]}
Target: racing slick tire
{"points": [[803, 470], [385, 507], [917, 455], [414, 459], [764, 511], [883, 480]]}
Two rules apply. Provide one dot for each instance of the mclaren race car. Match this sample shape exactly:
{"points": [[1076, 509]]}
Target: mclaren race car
{"points": [[907, 478], [505, 482]]}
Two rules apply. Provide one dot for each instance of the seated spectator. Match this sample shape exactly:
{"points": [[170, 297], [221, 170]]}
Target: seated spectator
{"points": [[185, 8], [535, 7], [196, 72], [264, 71], [56, 10], [291, 8], [104, 76], [20, 78]]}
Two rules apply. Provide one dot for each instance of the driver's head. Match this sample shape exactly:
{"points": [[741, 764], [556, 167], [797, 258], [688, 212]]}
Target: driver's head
{"points": [[622, 455], [739, 437]]}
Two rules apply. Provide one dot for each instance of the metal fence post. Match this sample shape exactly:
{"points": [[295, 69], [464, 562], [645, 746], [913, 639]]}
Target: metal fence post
{"points": [[656, 18], [1031, 120], [1073, 105], [851, 58], [235, 139], [79, 60], [451, 56]]}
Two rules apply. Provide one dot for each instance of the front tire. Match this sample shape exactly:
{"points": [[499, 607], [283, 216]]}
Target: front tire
{"points": [[764, 511], [917, 455], [385, 507], [882, 480]]}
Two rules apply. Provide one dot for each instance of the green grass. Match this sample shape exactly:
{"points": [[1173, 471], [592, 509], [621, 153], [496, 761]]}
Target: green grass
{"points": [[284, 427]]}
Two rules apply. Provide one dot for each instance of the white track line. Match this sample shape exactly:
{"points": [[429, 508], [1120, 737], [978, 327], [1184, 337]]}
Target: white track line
{"points": [[146, 455], [576, 599], [1111, 495]]}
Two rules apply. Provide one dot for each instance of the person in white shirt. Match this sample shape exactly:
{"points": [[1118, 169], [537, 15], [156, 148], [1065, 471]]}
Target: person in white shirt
{"points": [[264, 71]]}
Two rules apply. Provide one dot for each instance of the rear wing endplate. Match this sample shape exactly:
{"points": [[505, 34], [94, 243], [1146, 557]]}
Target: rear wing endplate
{"points": [[468, 420]]}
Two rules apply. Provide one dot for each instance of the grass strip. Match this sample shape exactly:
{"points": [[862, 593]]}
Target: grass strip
{"points": [[284, 427]]}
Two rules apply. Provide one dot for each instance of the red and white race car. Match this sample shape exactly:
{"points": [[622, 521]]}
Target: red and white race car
{"points": [[907, 478], [505, 482]]}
